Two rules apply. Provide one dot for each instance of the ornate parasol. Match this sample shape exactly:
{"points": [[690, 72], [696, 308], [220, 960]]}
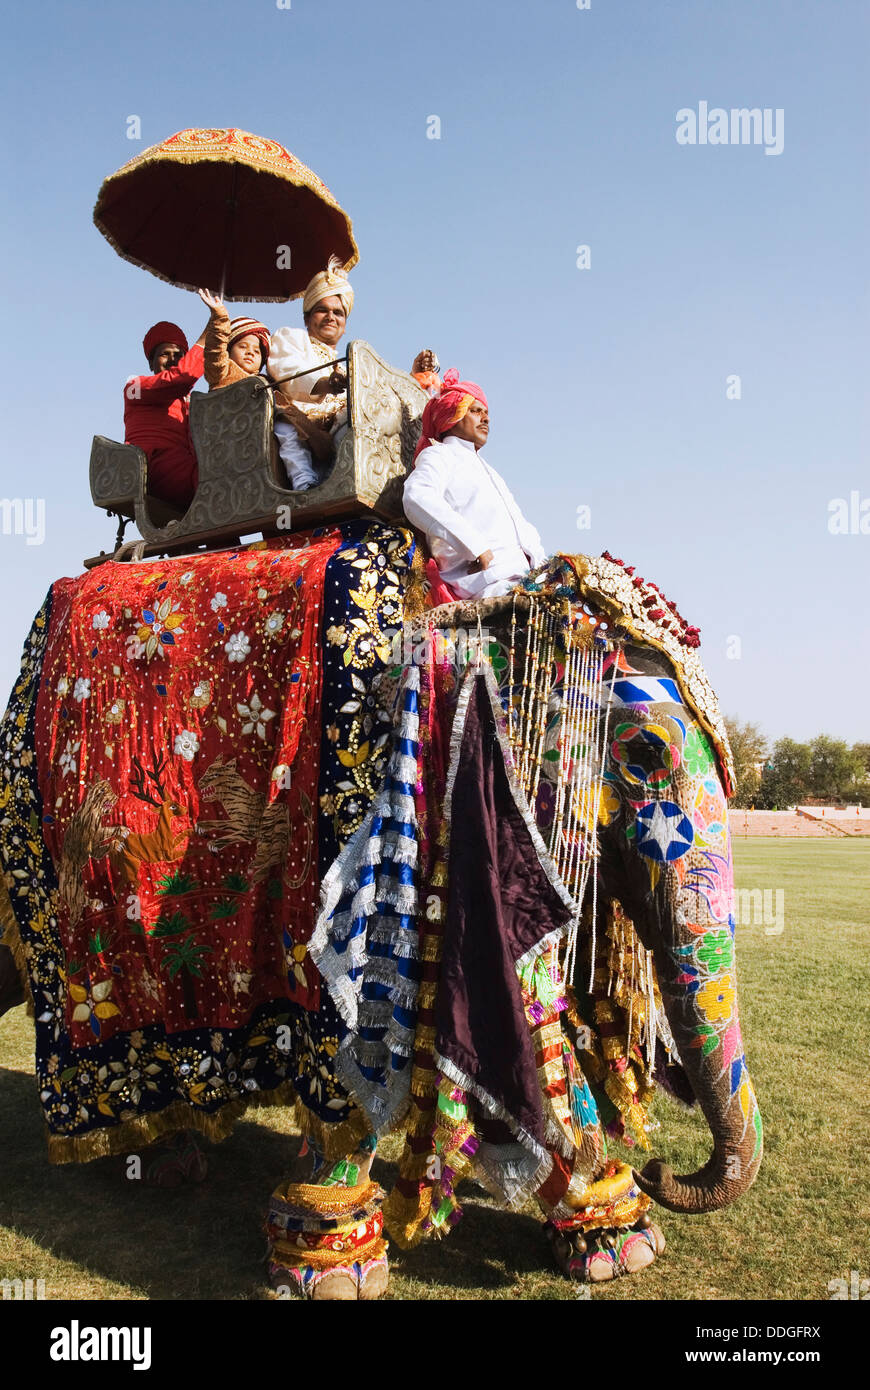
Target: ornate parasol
{"points": [[224, 208]]}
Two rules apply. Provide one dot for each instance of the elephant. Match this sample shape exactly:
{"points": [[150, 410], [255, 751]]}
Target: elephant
{"points": [[661, 863], [651, 851]]}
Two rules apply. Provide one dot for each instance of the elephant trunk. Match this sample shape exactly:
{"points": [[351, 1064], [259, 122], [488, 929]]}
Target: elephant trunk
{"points": [[704, 1020]]}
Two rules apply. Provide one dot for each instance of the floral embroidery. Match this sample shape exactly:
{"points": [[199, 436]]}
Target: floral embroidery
{"points": [[238, 647], [160, 627], [219, 601], [200, 696], [115, 713], [186, 745], [274, 623], [93, 1006], [101, 620], [82, 689], [63, 686], [256, 716], [68, 759]]}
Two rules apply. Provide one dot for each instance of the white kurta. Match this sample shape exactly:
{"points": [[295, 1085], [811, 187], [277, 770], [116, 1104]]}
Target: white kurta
{"points": [[466, 508], [292, 351]]}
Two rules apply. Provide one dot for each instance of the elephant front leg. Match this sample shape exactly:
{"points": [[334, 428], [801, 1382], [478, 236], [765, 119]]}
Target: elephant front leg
{"points": [[326, 1236], [667, 857]]}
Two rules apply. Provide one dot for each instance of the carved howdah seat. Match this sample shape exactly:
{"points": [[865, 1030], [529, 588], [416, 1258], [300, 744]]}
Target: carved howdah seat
{"points": [[241, 479]]}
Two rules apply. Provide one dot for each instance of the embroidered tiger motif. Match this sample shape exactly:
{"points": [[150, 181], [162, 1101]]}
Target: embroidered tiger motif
{"points": [[86, 838], [247, 817]]}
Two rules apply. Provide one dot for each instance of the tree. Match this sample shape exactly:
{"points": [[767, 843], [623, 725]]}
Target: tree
{"points": [[785, 779], [836, 772], [861, 751], [749, 747]]}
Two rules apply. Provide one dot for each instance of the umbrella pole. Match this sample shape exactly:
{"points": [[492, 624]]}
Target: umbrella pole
{"points": [[232, 204]]}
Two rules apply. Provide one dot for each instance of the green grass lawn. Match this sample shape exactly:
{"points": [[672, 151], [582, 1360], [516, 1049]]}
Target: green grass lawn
{"points": [[805, 1007]]}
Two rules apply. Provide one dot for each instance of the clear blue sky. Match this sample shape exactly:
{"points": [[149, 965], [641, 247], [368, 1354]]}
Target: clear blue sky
{"points": [[608, 385]]}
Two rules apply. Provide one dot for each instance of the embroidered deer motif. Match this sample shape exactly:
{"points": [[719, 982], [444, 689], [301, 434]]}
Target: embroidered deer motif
{"points": [[160, 845], [247, 817]]}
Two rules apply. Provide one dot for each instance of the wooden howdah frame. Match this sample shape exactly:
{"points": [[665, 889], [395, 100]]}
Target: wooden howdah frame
{"points": [[240, 489]]}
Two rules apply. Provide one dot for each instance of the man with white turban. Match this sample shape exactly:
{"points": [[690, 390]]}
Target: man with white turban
{"points": [[314, 406]]}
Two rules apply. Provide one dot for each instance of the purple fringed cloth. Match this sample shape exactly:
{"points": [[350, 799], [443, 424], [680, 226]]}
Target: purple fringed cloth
{"points": [[506, 905]]}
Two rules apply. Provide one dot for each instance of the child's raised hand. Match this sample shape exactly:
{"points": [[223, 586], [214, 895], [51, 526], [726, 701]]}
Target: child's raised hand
{"points": [[211, 301]]}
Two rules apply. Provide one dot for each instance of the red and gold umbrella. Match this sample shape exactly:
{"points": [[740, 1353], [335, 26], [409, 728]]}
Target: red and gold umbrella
{"points": [[226, 209]]}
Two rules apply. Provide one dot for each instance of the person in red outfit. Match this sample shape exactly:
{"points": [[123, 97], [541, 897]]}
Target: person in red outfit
{"points": [[156, 410]]}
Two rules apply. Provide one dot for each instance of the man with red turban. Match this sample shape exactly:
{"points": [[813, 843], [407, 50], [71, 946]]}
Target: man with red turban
{"points": [[156, 411], [479, 538]]}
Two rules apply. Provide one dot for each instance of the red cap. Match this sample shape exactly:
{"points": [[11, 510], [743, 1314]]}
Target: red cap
{"points": [[163, 333]]}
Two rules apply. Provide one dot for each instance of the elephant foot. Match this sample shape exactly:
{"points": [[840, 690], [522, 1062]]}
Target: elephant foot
{"points": [[177, 1160], [597, 1258], [363, 1280], [326, 1240]]}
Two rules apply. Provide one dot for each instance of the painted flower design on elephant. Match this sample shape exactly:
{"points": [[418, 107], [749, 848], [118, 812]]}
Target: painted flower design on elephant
{"points": [[716, 999], [159, 628], [648, 754], [697, 753], [709, 813], [715, 951]]}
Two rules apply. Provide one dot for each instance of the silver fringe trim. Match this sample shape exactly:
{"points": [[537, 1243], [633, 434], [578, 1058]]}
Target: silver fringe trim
{"points": [[498, 1112]]}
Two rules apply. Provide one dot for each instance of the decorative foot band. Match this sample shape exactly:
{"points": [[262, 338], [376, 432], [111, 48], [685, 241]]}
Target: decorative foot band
{"points": [[608, 1232], [607, 1254], [614, 1200], [327, 1242]]}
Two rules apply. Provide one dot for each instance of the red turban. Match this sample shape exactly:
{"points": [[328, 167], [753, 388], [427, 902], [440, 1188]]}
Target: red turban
{"points": [[163, 333], [444, 410]]}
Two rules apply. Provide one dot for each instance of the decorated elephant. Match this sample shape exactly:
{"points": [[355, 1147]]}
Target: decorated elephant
{"points": [[262, 845]]}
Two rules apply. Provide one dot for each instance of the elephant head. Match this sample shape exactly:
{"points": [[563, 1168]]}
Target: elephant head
{"points": [[665, 854]]}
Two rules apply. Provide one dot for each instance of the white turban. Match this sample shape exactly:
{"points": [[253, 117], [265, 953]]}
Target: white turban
{"points": [[331, 281]]}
